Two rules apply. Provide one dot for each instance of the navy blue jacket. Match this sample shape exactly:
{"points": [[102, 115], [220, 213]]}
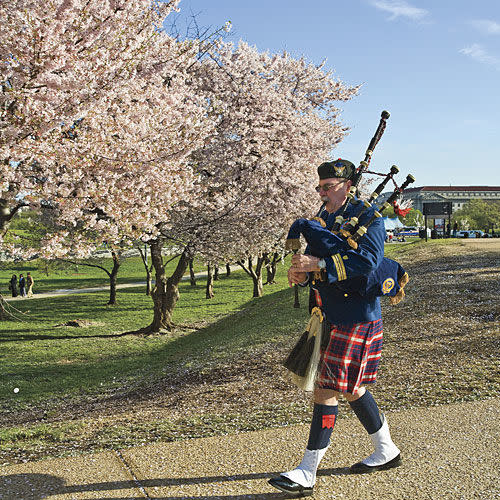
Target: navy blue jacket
{"points": [[346, 268]]}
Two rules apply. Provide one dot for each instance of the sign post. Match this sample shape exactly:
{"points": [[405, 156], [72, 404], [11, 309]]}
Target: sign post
{"points": [[441, 208]]}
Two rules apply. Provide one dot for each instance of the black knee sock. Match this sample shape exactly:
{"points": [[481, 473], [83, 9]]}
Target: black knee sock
{"points": [[322, 424], [367, 411]]}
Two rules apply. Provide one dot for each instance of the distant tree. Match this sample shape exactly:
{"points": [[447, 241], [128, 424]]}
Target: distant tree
{"points": [[389, 212], [116, 255], [414, 218], [478, 214]]}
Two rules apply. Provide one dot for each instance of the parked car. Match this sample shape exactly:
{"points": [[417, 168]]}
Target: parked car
{"points": [[408, 231], [481, 234], [471, 233]]}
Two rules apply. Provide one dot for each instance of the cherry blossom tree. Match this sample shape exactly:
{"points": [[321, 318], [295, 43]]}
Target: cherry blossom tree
{"points": [[276, 120], [94, 105], [97, 118], [124, 133]]}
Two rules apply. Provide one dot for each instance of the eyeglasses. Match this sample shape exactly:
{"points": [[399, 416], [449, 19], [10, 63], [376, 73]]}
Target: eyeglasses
{"points": [[327, 187]]}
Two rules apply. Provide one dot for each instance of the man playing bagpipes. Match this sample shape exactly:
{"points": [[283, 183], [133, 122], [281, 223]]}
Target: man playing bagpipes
{"points": [[346, 279]]}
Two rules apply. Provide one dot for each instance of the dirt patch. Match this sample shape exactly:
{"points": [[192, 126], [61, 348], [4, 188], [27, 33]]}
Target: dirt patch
{"points": [[78, 323], [487, 244]]}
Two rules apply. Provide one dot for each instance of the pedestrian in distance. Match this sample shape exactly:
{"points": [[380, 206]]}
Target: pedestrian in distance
{"points": [[29, 283], [22, 285], [350, 359], [13, 285]]}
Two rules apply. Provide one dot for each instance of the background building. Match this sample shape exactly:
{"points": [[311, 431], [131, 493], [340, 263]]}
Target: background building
{"points": [[458, 195]]}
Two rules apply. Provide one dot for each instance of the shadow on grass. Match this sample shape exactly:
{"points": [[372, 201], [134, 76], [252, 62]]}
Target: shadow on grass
{"points": [[17, 338], [149, 360]]}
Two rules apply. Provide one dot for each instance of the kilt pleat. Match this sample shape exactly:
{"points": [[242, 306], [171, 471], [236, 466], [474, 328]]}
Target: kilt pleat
{"points": [[352, 356]]}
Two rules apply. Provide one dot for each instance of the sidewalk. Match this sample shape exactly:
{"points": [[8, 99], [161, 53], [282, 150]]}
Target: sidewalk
{"points": [[71, 291], [449, 452]]}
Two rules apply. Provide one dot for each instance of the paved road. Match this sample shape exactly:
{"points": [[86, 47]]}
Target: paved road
{"points": [[449, 452]]}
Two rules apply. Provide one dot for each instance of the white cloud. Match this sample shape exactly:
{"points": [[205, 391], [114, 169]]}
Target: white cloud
{"points": [[477, 52], [400, 8], [486, 26]]}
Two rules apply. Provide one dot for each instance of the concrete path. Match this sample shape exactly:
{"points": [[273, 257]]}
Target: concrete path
{"points": [[449, 452], [71, 291]]}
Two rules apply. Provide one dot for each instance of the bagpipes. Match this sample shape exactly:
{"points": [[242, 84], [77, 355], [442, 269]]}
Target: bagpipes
{"points": [[346, 233], [352, 231], [363, 167], [389, 279]]}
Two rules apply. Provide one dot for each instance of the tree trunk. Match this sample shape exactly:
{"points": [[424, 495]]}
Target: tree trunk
{"points": [[271, 267], [149, 269], [228, 269], [3, 309], [111, 274], [296, 301], [166, 292], [216, 272], [192, 277], [149, 281], [112, 278], [209, 292], [257, 286], [7, 214], [255, 273]]}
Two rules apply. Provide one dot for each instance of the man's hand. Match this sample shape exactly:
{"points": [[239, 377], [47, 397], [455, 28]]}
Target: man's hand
{"points": [[301, 265], [305, 263], [295, 277]]}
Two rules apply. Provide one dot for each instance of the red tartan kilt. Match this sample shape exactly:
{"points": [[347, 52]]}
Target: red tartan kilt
{"points": [[352, 356]]}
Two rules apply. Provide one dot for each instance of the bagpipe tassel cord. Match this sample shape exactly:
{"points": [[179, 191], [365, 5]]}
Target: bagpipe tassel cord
{"points": [[401, 293], [304, 358]]}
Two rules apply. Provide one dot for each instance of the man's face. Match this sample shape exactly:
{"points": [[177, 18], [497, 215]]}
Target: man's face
{"points": [[333, 192]]}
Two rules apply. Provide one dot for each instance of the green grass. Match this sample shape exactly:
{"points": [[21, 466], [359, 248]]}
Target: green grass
{"points": [[46, 361], [52, 365], [41, 432]]}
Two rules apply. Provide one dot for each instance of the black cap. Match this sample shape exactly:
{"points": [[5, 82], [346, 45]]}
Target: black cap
{"points": [[338, 168]]}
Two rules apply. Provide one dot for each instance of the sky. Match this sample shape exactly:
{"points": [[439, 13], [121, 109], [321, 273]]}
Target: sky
{"points": [[433, 64]]}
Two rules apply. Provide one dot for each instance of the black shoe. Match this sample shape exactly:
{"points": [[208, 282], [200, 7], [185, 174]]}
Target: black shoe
{"points": [[288, 486], [361, 468]]}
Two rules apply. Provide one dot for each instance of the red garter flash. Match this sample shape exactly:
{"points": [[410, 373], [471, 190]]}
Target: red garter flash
{"points": [[328, 421]]}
